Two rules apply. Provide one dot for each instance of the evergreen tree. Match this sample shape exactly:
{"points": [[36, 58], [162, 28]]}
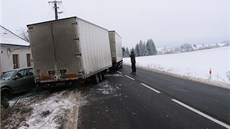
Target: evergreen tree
{"points": [[123, 52], [133, 50], [186, 47], [142, 49], [127, 52], [145, 50], [140, 46], [151, 47], [137, 49]]}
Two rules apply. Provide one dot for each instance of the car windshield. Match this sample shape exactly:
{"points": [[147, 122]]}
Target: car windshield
{"points": [[7, 75]]}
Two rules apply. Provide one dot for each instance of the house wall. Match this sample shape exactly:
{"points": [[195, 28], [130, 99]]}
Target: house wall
{"points": [[6, 57]]}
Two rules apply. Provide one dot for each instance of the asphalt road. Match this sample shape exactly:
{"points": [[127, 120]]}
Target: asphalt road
{"points": [[151, 100]]}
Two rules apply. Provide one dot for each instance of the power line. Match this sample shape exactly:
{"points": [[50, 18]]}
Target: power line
{"points": [[56, 8]]}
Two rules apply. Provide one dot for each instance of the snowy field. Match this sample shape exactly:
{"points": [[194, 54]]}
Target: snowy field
{"points": [[193, 65]]}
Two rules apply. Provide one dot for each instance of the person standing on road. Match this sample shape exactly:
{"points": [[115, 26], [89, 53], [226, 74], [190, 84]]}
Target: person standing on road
{"points": [[133, 61]]}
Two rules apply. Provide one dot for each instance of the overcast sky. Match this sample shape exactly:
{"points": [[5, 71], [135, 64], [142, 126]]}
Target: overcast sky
{"points": [[167, 22]]}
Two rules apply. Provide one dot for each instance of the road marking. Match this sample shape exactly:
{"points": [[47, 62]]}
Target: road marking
{"points": [[150, 88], [129, 77], [202, 114], [119, 72]]}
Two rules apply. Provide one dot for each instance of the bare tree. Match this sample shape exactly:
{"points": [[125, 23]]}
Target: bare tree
{"points": [[24, 35]]}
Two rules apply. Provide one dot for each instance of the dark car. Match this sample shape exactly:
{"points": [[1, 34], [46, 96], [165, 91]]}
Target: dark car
{"points": [[16, 81]]}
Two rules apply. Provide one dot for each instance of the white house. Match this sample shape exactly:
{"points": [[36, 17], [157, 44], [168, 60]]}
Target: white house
{"points": [[14, 51]]}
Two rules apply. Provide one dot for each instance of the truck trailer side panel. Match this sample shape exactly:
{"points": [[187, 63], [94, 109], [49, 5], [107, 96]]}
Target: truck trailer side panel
{"points": [[94, 42], [116, 47]]}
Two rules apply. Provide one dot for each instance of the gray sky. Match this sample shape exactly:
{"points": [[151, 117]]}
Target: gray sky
{"points": [[167, 22]]}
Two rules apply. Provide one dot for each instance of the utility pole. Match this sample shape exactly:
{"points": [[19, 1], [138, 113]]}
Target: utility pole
{"points": [[56, 8]]}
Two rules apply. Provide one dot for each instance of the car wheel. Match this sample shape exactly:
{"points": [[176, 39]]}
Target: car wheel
{"points": [[5, 97]]}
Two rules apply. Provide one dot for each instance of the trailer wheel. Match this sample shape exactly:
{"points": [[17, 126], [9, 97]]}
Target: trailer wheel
{"points": [[118, 66], [96, 78], [82, 82], [101, 76]]}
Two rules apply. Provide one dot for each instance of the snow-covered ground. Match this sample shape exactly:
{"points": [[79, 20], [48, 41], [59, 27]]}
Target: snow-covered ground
{"points": [[193, 65], [43, 111], [52, 110]]}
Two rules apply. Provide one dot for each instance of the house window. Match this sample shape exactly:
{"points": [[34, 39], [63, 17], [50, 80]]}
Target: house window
{"points": [[15, 61], [28, 58]]}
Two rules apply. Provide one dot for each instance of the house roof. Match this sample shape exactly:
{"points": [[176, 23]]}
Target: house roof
{"points": [[8, 37]]}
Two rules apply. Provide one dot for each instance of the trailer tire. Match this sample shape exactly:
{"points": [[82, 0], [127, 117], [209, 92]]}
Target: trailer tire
{"points": [[96, 78], [101, 76], [117, 68]]}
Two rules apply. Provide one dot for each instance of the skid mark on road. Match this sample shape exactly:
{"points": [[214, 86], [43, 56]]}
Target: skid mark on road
{"points": [[202, 114], [150, 88]]}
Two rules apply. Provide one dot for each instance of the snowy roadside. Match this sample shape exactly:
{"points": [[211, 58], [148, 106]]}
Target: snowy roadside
{"points": [[194, 66], [196, 79], [46, 111], [55, 109]]}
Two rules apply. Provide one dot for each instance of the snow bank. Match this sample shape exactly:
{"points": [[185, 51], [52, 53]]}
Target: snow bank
{"points": [[51, 112], [196, 64]]}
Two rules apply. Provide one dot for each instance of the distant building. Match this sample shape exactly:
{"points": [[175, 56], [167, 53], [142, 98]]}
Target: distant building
{"points": [[14, 51]]}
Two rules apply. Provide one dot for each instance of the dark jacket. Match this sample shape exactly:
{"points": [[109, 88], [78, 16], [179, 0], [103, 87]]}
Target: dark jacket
{"points": [[132, 56]]}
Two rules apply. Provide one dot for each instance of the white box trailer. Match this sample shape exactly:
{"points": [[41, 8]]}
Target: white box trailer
{"points": [[68, 49], [116, 49]]}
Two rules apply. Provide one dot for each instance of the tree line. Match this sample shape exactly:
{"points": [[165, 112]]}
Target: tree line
{"points": [[141, 49]]}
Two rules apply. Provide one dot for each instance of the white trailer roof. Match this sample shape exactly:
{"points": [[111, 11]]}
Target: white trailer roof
{"points": [[8, 37]]}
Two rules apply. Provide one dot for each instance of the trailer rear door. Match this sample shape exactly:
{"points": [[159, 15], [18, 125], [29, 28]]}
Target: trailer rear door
{"points": [[55, 50], [41, 42], [66, 45]]}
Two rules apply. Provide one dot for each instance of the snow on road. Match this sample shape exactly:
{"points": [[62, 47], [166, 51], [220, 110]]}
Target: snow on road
{"points": [[106, 88], [196, 64]]}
